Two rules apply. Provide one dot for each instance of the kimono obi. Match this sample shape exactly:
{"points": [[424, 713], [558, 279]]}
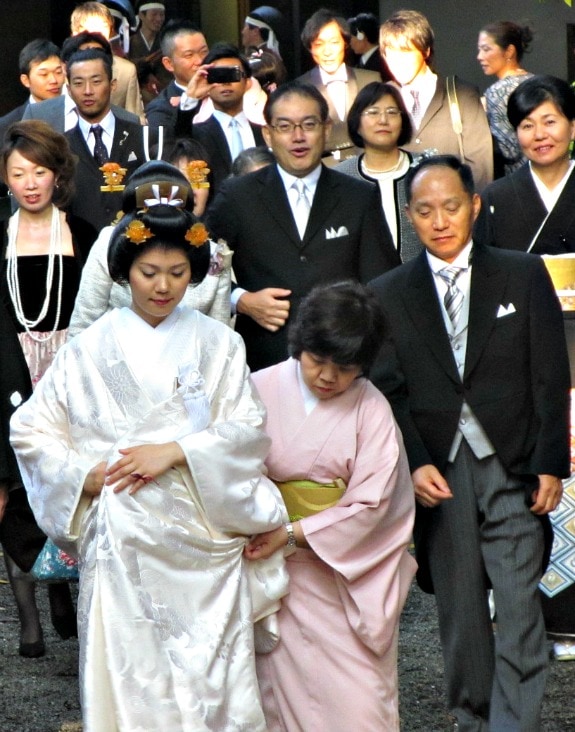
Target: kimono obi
{"points": [[306, 497]]}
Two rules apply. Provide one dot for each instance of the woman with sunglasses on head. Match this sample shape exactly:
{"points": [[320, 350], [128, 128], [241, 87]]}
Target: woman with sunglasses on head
{"points": [[379, 123]]}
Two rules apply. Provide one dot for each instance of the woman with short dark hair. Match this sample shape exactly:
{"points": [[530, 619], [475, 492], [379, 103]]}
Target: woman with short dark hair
{"points": [[532, 209], [379, 123], [142, 454], [339, 462]]}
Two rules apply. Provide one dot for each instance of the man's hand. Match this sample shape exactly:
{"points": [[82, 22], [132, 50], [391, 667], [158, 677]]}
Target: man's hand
{"points": [[94, 481], [198, 87], [430, 486], [547, 496], [269, 307]]}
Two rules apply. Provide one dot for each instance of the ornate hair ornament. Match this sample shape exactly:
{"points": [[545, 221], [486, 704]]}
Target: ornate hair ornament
{"points": [[161, 192], [197, 235], [137, 232], [197, 173], [113, 175]]}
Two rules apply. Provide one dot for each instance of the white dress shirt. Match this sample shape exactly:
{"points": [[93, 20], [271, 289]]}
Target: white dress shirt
{"points": [[108, 125]]}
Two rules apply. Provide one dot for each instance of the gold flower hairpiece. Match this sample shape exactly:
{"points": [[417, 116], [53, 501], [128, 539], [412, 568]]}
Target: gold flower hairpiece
{"points": [[113, 175], [197, 173], [197, 235], [137, 232]]}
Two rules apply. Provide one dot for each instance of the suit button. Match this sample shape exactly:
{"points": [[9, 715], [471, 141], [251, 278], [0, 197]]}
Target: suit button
{"points": [[303, 258], [466, 385], [418, 141], [458, 389]]}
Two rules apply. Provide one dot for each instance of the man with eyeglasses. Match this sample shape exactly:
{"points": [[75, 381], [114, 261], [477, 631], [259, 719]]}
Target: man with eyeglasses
{"points": [[295, 224]]}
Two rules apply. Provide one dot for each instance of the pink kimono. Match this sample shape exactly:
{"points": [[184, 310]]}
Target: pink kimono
{"points": [[335, 667]]}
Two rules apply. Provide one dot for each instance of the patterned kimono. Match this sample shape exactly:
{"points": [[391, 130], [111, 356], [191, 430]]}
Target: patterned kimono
{"points": [[166, 601], [335, 667]]}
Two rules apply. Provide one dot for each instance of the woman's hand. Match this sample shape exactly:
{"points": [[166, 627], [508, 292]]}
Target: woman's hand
{"points": [[264, 545], [142, 464], [94, 481]]}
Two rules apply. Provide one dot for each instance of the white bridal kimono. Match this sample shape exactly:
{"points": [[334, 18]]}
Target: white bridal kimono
{"points": [[166, 600]]}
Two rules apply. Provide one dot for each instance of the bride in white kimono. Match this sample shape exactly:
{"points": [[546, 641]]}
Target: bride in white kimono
{"points": [[338, 458], [142, 453]]}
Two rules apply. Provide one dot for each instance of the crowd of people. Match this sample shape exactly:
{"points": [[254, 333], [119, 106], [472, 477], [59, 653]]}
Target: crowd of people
{"points": [[261, 333]]}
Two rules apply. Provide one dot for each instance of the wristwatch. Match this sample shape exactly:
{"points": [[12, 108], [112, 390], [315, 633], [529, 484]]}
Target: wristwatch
{"points": [[291, 535]]}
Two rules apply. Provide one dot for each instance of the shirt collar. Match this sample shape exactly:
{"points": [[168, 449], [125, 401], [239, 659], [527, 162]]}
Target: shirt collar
{"points": [[225, 119], [462, 259], [107, 124], [310, 179], [422, 81], [339, 75]]}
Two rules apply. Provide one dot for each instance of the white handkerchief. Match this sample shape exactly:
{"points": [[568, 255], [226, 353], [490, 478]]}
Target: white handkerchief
{"points": [[332, 233], [503, 311], [132, 157]]}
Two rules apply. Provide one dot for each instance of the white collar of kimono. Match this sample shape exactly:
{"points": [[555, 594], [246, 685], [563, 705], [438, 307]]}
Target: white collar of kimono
{"points": [[310, 400], [145, 349]]}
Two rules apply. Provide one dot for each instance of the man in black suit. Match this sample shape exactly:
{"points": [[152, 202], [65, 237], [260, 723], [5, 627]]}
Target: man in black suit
{"points": [[295, 224], [99, 137], [183, 50], [475, 367], [364, 42], [227, 131], [42, 73]]}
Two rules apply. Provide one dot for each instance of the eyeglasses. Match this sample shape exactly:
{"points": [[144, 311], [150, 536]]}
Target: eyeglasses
{"points": [[286, 126], [377, 113]]}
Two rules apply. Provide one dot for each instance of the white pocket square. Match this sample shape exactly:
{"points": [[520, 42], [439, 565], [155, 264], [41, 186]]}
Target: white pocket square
{"points": [[503, 311], [132, 156], [332, 233]]}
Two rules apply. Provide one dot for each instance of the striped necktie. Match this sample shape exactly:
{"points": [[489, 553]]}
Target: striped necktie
{"points": [[453, 299]]}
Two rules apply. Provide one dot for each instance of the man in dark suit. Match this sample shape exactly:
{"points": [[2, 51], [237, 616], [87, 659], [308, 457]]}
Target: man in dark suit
{"points": [[475, 367], [326, 36], [183, 50], [364, 42], [447, 114], [99, 137], [295, 224], [42, 73], [227, 131]]}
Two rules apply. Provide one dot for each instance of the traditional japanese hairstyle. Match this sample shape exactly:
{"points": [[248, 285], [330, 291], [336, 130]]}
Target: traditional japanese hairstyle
{"points": [[159, 173], [341, 321], [162, 226]]}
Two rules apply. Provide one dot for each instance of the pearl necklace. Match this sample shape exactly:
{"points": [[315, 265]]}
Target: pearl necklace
{"points": [[397, 166], [14, 284]]}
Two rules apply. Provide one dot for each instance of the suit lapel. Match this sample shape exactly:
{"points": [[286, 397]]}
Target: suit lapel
{"points": [[421, 303], [351, 87], [435, 105], [274, 197], [326, 198], [486, 294]]}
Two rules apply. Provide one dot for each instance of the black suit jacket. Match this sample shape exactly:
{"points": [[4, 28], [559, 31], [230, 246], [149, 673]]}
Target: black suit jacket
{"points": [[160, 112], [14, 116], [90, 203], [516, 378], [213, 139], [512, 213], [346, 237]]}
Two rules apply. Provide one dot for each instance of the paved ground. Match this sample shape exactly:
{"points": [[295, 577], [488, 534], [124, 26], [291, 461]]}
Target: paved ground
{"points": [[41, 695]]}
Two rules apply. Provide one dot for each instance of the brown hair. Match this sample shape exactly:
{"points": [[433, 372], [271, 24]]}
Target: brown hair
{"points": [[38, 142]]}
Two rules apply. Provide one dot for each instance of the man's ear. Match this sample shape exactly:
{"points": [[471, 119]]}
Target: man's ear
{"points": [[267, 135], [167, 63], [25, 80]]}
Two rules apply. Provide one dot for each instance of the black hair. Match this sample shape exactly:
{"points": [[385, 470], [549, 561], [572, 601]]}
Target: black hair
{"points": [[506, 33], [154, 171], [227, 50], [536, 90], [367, 97], [319, 20], [250, 159], [341, 321], [91, 54], [297, 89], [367, 24], [36, 51], [172, 29], [186, 147], [72, 44], [443, 161], [405, 27], [268, 68], [169, 226]]}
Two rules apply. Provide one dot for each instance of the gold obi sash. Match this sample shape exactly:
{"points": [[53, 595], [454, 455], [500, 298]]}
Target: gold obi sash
{"points": [[306, 497]]}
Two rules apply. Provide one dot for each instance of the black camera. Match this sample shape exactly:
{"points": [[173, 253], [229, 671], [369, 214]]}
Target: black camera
{"points": [[224, 74]]}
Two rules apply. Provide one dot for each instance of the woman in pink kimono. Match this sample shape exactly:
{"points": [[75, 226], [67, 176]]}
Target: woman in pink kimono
{"points": [[338, 458]]}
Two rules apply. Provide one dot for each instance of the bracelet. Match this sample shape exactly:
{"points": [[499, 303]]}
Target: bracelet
{"points": [[291, 535]]}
